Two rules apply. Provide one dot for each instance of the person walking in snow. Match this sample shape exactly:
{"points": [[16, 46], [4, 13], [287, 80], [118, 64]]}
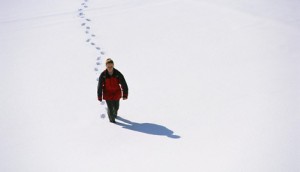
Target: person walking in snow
{"points": [[112, 87]]}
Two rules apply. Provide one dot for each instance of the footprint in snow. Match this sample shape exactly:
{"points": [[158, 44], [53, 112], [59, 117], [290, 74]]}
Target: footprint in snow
{"points": [[87, 32], [88, 19], [92, 43], [83, 24], [85, 6], [98, 48], [98, 63], [88, 27], [98, 58], [88, 40], [93, 35], [96, 69]]}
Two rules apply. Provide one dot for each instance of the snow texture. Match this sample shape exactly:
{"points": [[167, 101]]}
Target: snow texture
{"points": [[213, 85]]}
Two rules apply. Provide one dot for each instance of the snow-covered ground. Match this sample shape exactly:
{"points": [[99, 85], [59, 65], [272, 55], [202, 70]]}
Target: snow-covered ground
{"points": [[213, 85]]}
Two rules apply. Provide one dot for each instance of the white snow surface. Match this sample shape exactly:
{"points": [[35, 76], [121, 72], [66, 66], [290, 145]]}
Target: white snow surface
{"points": [[213, 85]]}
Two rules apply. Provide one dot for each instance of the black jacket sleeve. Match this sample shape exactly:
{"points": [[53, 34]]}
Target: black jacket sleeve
{"points": [[100, 84], [123, 85]]}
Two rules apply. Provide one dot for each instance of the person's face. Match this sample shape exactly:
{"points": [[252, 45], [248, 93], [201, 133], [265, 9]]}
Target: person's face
{"points": [[110, 67]]}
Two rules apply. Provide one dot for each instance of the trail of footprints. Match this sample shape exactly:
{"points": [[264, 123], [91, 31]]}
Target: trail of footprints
{"points": [[85, 23]]}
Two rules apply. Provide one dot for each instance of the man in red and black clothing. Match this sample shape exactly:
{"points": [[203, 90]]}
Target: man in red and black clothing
{"points": [[112, 87]]}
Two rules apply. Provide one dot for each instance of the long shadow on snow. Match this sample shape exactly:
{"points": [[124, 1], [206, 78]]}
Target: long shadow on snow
{"points": [[147, 128]]}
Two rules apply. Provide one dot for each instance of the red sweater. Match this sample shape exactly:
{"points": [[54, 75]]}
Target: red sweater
{"points": [[112, 87]]}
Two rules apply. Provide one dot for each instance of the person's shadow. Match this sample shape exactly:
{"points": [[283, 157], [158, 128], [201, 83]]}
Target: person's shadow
{"points": [[146, 128]]}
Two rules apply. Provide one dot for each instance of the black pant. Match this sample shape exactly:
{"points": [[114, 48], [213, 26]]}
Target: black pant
{"points": [[112, 109]]}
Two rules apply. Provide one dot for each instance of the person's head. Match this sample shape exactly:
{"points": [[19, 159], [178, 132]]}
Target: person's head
{"points": [[109, 64]]}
